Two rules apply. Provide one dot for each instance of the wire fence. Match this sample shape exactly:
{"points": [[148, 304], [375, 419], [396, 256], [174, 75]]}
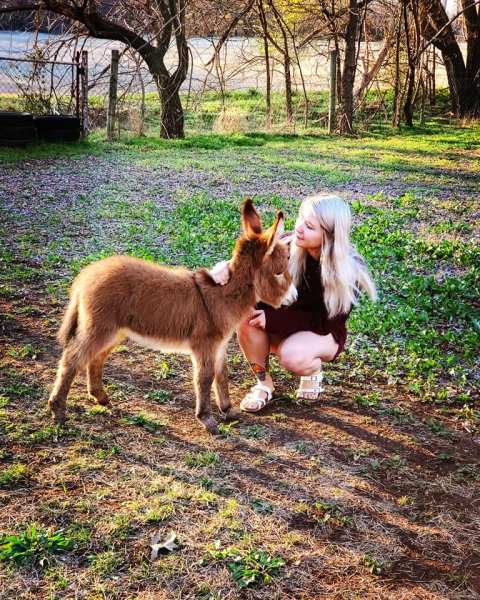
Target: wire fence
{"points": [[39, 86]]}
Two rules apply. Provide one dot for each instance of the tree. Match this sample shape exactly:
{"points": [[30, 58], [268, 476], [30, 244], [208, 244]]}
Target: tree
{"points": [[463, 76], [148, 27], [349, 67]]}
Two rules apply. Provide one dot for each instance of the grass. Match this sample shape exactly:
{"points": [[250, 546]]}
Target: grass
{"points": [[202, 459], [13, 475], [373, 489]]}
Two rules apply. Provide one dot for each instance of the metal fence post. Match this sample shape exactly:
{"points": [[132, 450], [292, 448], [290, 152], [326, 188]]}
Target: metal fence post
{"points": [[84, 92], [112, 95], [333, 91]]}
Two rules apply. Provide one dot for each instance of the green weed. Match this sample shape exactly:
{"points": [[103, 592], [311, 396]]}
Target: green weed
{"points": [[33, 546], [202, 459], [143, 420], [13, 475], [248, 567]]}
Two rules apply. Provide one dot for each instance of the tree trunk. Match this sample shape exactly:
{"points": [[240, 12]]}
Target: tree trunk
{"points": [[349, 69], [455, 67], [471, 96], [172, 120], [286, 63], [288, 87], [266, 49], [268, 88], [396, 86], [408, 106], [463, 80]]}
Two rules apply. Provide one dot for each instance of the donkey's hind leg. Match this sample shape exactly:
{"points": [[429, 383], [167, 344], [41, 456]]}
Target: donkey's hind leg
{"points": [[66, 371], [77, 353], [94, 376], [220, 385], [204, 372]]}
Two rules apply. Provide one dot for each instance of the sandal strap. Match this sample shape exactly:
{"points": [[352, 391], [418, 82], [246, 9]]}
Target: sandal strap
{"points": [[315, 377], [261, 387], [253, 402], [315, 389]]}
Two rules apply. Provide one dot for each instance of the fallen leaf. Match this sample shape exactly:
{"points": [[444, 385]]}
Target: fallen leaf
{"points": [[168, 544]]}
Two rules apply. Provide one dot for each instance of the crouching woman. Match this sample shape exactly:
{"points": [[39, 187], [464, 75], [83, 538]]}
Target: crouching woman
{"points": [[329, 275]]}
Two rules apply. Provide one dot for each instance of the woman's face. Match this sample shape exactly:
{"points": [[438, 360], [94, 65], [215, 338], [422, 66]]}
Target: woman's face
{"points": [[308, 232]]}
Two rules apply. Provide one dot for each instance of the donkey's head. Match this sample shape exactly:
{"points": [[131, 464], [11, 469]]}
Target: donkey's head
{"points": [[266, 255]]}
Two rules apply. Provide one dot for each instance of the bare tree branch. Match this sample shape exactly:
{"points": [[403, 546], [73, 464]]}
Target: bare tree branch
{"points": [[226, 33]]}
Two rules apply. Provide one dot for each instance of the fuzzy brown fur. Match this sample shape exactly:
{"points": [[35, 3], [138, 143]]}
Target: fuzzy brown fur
{"points": [[173, 309]]}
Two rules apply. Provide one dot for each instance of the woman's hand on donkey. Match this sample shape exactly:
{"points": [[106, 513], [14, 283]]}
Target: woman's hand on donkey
{"points": [[220, 273]]}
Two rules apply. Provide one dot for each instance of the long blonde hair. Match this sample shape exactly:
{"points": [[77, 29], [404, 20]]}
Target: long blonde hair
{"points": [[343, 271]]}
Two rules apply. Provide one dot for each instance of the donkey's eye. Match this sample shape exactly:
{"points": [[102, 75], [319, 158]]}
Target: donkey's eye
{"points": [[278, 274]]}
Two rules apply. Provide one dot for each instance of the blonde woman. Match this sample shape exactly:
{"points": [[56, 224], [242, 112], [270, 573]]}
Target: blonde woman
{"points": [[329, 275]]}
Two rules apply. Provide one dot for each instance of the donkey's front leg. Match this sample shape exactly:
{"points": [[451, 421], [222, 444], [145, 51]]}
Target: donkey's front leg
{"points": [[220, 384], [204, 372]]}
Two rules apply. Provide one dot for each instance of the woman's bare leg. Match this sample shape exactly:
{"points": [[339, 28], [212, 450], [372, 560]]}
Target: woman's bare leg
{"points": [[303, 353], [255, 344]]}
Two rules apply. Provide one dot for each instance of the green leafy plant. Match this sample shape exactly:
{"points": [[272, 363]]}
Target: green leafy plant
{"points": [[202, 459], [227, 429], [324, 512], [13, 474], [23, 352], [163, 370], [254, 431], [160, 396], [34, 546], [373, 565], [105, 563], [331, 512], [248, 567], [143, 420], [262, 507], [368, 400], [438, 428]]}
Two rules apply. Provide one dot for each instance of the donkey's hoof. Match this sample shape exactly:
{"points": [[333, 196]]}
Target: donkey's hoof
{"points": [[210, 425], [102, 399], [232, 414], [58, 416]]}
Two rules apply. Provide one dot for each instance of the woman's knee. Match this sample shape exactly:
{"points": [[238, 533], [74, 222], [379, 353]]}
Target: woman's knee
{"points": [[294, 361]]}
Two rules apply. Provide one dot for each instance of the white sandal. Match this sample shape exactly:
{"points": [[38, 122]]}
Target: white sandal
{"points": [[255, 400], [314, 390]]}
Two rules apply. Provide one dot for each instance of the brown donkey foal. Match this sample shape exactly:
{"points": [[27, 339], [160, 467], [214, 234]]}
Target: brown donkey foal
{"points": [[169, 309]]}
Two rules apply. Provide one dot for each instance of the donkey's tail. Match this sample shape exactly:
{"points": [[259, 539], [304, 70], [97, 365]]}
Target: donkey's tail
{"points": [[69, 324]]}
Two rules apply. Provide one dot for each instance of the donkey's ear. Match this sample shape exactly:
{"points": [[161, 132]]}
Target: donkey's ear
{"points": [[251, 223], [275, 232]]}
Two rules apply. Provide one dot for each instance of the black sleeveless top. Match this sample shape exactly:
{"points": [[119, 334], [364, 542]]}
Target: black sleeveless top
{"points": [[308, 312]]}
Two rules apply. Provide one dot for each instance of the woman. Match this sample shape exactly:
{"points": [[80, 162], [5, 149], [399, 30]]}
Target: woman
{"points": [[329, 275]]}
